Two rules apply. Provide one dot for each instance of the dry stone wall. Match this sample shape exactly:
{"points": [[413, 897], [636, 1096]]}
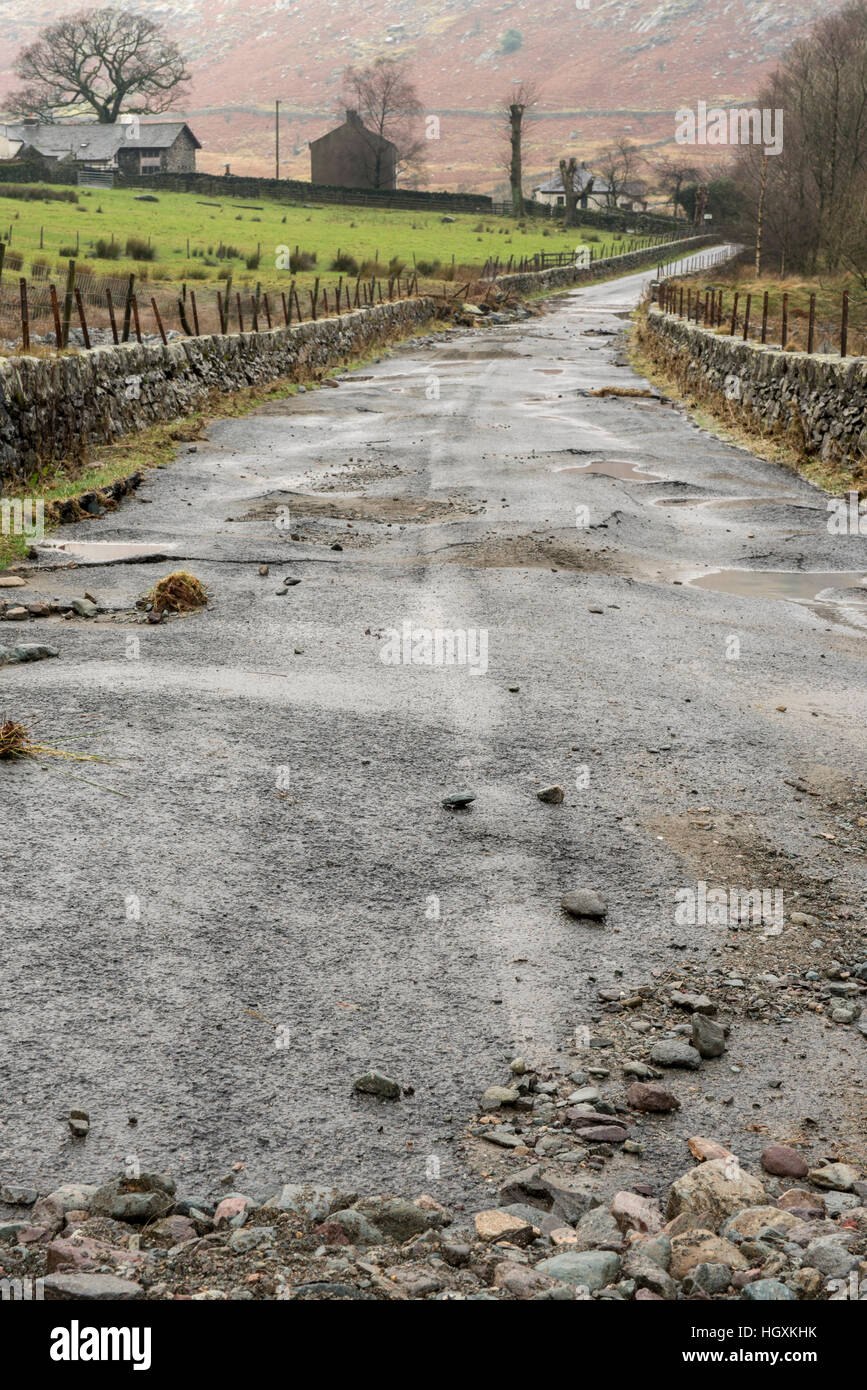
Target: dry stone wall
{"points": [[820, 400], [53, 408]]}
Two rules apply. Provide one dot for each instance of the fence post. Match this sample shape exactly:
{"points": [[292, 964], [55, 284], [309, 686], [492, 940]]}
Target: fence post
{"points": [[286, 309], [25, 315], [747, 317], [55, 309], [84, 331], [735, 313], [785, 331], [127, 308], [765, 318], [67, 301], [220, 310], [110, 302], [811, 330], [135, 317], [844, 325], [195, 311], [159, 320], [2, 258]]}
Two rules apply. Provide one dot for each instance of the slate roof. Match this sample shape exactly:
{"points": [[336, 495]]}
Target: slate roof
{"points": [[89, 140]]}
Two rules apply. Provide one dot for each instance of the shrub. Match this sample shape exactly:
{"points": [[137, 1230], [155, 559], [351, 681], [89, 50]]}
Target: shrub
{"points": [[29, 192], [428, 267], [252, 262], [14, 260], [302, 260], [68, 253], [40, 268], [107, 250], [345, 263], [139, 250], [396, 266]]}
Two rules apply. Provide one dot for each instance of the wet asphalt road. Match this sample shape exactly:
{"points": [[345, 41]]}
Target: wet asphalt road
{"points": [[278, 901]]}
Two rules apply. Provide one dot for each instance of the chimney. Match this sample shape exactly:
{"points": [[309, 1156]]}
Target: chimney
{"points": [[353, 117]]}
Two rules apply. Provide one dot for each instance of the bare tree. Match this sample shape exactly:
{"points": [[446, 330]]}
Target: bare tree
{"points": [[109, 61], [522, 96], [811, 209], [388, 104], [672, 175], [573, 189], [618, 166]]}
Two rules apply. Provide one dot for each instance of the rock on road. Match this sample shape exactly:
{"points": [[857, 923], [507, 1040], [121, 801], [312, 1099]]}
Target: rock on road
{"points": [[280, 901]]}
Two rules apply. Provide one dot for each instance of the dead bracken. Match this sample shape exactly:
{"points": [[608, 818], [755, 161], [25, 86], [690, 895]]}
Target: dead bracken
{"points": [[180, 592]]}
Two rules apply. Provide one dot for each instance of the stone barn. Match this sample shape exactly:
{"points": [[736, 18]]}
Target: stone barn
{"points": [[353, 157]]}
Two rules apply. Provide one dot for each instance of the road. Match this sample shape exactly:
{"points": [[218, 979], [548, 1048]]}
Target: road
{"points": [[278, 900]]}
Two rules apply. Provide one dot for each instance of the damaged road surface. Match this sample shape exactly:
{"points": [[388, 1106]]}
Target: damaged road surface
{"points": [[280, 902]]}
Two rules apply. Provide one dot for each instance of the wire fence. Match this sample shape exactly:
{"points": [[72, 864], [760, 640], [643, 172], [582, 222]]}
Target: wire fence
{"points": [[796, 323], [87, 310]]}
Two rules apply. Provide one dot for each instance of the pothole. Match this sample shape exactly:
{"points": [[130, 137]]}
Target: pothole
{"points": [[104, 552], [375, 509], [800, 586], [613, 468]]}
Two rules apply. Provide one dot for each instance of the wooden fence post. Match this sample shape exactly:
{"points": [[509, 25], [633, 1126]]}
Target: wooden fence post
{"points": [[765, 317], [195, 311], [240, 313], [785, 331], [135, 318], [127, 308], [83, 320], [110, 302], [159, 320], [67, 301], [811, 330], [747, 317], [735, 313], [25, 315], [844, 325], [55, 309]]}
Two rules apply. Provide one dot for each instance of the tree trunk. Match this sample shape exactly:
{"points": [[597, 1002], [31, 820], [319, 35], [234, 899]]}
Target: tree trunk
{"points": [[760, 219], [516, 180], [570, 192]]}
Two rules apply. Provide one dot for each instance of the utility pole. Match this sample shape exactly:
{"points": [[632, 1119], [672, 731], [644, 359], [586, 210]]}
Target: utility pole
{"points": [[276, 139]]}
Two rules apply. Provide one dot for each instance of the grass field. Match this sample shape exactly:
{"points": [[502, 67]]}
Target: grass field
{"points": [[191, 239]]}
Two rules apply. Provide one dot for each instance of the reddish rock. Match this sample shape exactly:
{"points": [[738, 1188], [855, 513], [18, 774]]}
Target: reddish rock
{"points": [[651, 1095], [784, 1162], [603, 1134], [33, 1235], [807, 1205], [634, 1213], [84, 1253], [232, 1211], [332, 1233], [647, 1296]]}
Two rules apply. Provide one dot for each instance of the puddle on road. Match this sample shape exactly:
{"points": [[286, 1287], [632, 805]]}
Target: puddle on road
{"points": [[801, 586], [105, 552], [613, 468]]}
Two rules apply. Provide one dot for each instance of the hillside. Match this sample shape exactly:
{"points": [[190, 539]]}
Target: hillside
{"points": [[618, 67]]}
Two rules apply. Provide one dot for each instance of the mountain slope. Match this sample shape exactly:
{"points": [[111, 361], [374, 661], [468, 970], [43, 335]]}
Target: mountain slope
{"points": [[618, 67]]}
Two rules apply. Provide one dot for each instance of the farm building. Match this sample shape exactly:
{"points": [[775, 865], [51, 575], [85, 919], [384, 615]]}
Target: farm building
{"points": [[595, 192], [130, 146], [351, 156]]}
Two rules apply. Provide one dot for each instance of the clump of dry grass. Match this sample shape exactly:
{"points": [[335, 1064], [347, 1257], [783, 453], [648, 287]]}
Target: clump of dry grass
{"points": [[13, 740], [15, 743], [180, 592]]}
